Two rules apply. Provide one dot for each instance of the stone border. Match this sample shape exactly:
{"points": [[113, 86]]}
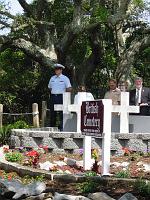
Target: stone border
{"points": [[66, 178], [64, 142]]}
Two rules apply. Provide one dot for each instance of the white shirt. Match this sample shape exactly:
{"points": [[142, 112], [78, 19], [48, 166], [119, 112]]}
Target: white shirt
{"points": [[140, 90], [58, 84], [83, 96]]}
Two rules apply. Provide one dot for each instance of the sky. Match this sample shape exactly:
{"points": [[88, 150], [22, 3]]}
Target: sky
{"points": [[15, 6]]}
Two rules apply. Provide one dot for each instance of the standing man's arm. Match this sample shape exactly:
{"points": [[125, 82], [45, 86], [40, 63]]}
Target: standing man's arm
{"points": [[68, 85], [69, 89], [49, 86]]}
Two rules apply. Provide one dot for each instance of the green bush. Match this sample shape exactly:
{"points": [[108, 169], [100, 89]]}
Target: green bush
{"points": [[20, 124], [143, 187], [13, 156], [90, 173], [5, 132], [123, 174], [88, 186]]}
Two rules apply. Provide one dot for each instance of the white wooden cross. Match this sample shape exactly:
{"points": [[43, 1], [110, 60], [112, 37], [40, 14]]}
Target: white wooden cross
{"points": [[64, 107], [77, 109], [106, 141], [124, 109]]}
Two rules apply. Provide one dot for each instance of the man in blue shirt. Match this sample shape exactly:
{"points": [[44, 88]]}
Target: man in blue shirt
{"points": [[58, 84]]}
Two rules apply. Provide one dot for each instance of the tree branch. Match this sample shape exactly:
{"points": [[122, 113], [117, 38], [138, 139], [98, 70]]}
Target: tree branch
{"points": [[5, 24], [26, 7], [34, 51], [120, 12], [25, 25], [128, 57], [7, 14], [72, 31]]}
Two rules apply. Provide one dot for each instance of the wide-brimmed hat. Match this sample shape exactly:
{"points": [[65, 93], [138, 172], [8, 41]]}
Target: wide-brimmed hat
{"points": [[57, 65]]}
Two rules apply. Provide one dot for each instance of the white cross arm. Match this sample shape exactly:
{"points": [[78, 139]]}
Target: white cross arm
{"points": [[127, 109], [58, 107], [133, 109], [74, 108]]}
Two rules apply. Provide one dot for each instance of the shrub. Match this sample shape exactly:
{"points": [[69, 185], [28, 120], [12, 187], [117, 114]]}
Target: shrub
{"points": [[5, 132], [29, 179], [135, 156], [20, 124], [90, 173], [123, 174], [87, 186], [142, 186], [13, 156]]}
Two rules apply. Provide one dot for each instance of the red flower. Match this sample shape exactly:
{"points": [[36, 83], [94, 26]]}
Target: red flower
{"points": [[9, 177], [126, 150], [45, 148], [5, 149], [32, 153], [40, 146]]}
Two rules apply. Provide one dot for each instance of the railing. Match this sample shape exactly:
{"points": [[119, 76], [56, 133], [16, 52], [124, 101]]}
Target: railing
{"points": [[35, 114]]}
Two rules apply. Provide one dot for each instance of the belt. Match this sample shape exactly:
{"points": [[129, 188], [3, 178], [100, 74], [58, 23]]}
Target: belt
{"points": [[56, 95]]}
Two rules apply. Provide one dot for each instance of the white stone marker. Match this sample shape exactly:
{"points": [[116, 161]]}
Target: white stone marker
{"points": [[124, 109], [87, 142], [106, 141], [64, 107]]}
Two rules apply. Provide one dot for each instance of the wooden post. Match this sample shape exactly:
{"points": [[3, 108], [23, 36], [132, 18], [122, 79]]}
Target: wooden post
{"points": [[44, 108], [1, 115], [35, 115]]}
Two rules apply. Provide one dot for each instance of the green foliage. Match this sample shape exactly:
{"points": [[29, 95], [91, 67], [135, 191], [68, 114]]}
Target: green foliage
{"points": [[17, 93], [22, 81], [28, 179], [123, 174], [13, 156], [100, 13], [20, 124], [90, 173], [142, 186], [62, 15], [142, 66], [139, 3], [135, 156], [5, 132], [87, 187]]}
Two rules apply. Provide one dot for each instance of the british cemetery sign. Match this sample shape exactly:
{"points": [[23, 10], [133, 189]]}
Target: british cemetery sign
{"points": [[92, 114]]}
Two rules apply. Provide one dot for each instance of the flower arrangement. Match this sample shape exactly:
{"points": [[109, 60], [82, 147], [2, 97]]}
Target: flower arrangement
{"points": [[33, 158], [95, 154], [127, 152], [44, 148]]}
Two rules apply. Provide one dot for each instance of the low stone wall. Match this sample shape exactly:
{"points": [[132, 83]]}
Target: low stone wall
{"points": [[64, 142]]}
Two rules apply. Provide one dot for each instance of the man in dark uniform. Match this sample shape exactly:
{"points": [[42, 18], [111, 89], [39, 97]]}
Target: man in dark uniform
{"points": [[58, 84]]}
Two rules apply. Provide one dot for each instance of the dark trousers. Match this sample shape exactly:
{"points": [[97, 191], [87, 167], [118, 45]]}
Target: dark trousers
{"points": [[56, 99]]}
